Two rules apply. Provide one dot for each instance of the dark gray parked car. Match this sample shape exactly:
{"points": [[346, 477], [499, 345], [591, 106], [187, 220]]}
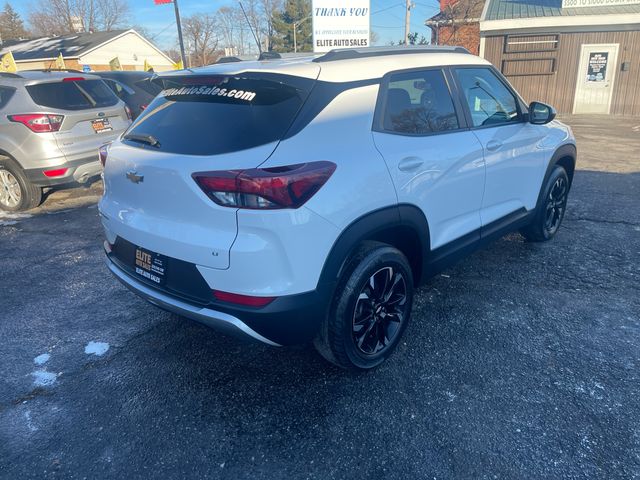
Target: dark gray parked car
{"points": [[52, 124], [133, 88]]}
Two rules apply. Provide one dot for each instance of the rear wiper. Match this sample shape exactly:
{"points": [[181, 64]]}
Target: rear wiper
{"points": [[142, 138]]}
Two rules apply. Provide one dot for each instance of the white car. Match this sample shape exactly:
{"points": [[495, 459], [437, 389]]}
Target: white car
{"points": [[305, 199]]}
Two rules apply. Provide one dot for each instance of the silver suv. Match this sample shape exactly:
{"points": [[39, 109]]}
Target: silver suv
{"points": [[52, 124]]}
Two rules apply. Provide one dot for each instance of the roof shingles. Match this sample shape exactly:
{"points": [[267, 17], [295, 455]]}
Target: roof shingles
{"points": [[508, 9], [50, 47]]}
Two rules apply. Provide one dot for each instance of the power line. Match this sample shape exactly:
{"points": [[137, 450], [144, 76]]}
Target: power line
{"points": [[388, 8]]}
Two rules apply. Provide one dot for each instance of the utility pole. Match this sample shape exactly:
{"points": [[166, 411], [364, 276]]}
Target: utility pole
{"points": [[295, 33], [407, 22], [295, 39], [182, 56]]}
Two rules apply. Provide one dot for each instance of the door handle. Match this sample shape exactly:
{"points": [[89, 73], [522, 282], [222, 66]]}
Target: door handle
{"points": [[493, 145], [409, 164]]}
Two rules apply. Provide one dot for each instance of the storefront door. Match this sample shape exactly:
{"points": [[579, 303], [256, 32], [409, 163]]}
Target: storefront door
{"points": [[596, 75]]}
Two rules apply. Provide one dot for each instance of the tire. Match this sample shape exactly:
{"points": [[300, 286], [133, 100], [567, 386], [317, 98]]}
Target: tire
{"points": [[17, 193], [368, 315], [550, 212]]}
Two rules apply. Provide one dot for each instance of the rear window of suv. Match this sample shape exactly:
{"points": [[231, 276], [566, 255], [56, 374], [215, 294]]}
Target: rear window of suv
{"points": [[73, 95], [220, 114]]}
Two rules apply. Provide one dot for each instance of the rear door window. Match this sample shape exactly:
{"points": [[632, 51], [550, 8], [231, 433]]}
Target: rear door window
{"points": [[216, 115], [73, 95], [418, 103]]}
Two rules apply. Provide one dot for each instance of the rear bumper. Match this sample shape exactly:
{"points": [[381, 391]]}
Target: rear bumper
{"points": [[78, 171], [288, 320]]}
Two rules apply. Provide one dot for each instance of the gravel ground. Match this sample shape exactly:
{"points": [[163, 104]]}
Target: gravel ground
{"points": [[520, 362]]}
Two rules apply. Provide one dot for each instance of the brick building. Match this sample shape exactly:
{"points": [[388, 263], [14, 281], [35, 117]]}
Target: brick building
{"points": [[457, 23], [88, 51]]}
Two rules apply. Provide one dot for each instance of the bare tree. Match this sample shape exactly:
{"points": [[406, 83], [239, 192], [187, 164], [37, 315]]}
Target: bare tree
{"points": [[270, 8], [200, 36], [61, 17]]}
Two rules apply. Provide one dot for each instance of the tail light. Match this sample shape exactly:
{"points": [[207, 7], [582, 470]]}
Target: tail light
{"points": [[265, 188], [246, 300], [73, 79], [128, 110], [143, 107], [103, 151], [38, 122]]}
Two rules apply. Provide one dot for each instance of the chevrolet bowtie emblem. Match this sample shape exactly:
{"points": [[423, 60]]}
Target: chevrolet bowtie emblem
{"points": [[134, 177]]}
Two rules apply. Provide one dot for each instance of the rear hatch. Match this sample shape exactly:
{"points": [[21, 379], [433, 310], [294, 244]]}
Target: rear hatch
{"points": [[196, 124], [92, 113]]}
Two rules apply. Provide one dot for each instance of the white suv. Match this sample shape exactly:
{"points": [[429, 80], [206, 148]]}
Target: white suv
{"points": [[305, 199]]}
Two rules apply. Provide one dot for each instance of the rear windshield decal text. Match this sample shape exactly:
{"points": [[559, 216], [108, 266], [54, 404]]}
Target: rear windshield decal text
{"points": [[212, 91]]}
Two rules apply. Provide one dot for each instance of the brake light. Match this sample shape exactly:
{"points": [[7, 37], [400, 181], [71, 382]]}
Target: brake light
{"points": [[265, 188], [246, 300], [73, 79], [143, 106], [128, 110], [103, 151], [58, 172], [38, 122]]}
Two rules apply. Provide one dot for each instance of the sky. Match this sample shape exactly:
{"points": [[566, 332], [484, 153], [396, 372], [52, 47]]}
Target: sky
{"points": [[387, 17]]}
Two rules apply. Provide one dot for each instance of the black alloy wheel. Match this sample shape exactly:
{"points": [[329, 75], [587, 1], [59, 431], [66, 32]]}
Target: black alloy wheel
{"points": [[556, 206], [379, 311]]}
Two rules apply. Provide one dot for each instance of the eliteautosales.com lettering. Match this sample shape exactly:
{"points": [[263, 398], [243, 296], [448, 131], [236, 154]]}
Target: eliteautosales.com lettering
{"points": [[220, 92]]}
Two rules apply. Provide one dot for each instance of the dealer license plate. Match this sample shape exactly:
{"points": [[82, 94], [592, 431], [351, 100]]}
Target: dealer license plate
{"points": [[150, 265], [101, 125]]}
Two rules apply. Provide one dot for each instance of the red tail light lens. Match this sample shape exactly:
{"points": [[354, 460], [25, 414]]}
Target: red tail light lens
{"points": [[143, 107], [73, 79], [38, 122], [58, 172], [246, 300], [103, 151], [265, 188]]}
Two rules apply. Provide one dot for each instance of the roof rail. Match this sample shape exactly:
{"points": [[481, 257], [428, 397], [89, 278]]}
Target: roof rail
{"points": [[10, 75], [352, 53], [228, 60], [269, 56]]}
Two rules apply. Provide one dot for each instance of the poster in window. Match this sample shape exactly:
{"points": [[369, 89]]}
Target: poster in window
{"points": [[597, 67]]}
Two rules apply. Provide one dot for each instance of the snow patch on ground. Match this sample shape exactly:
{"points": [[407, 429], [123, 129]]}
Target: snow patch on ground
{"points": [[96, 348], [42, 359], [29, 421], [14, 216], [7, 218], [42, 378]]}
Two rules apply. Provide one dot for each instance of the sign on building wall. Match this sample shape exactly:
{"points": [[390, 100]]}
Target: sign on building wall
{"points": [[340, 24], [596, 3], [597, 66]]}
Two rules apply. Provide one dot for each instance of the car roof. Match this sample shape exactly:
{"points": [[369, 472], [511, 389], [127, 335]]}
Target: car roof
{"points": [[32, 76], [345, 65], [124, 74]]}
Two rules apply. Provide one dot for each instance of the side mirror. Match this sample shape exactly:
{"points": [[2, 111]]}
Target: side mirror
{"points": [[539, 113]]}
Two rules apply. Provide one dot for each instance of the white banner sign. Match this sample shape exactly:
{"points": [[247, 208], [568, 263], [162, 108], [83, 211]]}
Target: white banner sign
{"points": [[596, 3], [340, 24]]}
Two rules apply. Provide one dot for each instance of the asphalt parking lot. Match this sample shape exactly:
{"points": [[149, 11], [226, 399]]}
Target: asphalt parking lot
{"points": [[521, 362]]}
